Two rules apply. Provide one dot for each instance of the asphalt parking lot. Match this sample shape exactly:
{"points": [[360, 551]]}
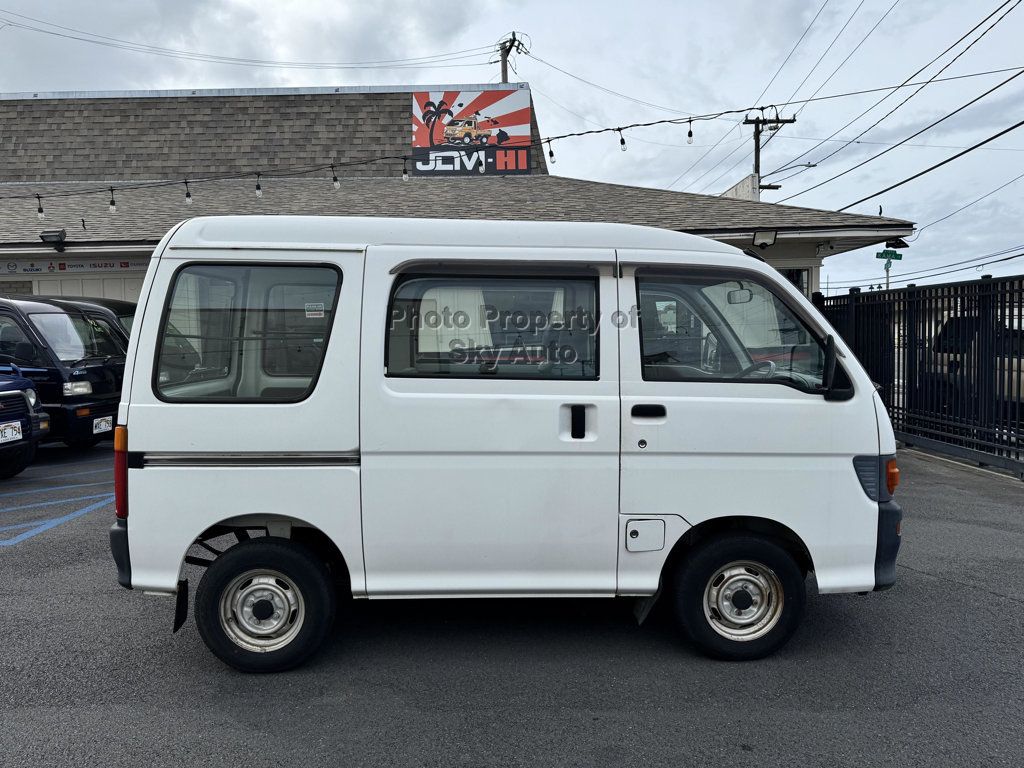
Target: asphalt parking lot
{"points": [[929, 673]]}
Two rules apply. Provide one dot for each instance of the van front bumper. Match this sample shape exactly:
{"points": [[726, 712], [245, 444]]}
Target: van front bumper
{"points": [[890, 529], [119, 549]]}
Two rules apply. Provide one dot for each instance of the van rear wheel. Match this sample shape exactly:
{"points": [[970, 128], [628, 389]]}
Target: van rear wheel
{"points": [[265, 605], [739, 597]]}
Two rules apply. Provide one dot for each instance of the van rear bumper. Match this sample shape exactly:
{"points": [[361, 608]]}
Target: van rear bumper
{"points": [[890, 519], [119, 549]]}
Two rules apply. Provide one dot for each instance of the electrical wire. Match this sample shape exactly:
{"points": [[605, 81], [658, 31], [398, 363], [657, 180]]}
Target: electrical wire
{"points": [[931, 168], [905, 279], [929, 81], [914, 135], [856, 281], [722, 138], [964, 207], [113, 42]]}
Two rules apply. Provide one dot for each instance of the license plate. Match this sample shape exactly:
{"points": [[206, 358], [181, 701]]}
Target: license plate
{"points": [[102, 424], [10, 431]]}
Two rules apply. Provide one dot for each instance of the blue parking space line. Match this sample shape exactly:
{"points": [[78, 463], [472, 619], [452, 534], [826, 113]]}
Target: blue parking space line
{"points": [[53, 502], [23, 525], [48, 524], [52, 488], [89, 472]]}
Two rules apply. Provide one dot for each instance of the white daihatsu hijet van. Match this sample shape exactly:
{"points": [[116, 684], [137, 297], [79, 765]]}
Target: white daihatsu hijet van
{"points": [[316, 407]]}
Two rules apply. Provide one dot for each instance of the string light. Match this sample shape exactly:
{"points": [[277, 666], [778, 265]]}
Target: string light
{"points": [[622, 140], [113, 204], [551, 154], [405, 169], [334, 179], [259, 189], [188, 194], [39, 210], [689, 133]]}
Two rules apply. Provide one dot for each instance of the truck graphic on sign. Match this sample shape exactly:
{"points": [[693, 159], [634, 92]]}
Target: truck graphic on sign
{"points": [[466, 131]]}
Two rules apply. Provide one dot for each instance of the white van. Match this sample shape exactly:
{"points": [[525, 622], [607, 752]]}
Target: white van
{"points": [[397, 408]]}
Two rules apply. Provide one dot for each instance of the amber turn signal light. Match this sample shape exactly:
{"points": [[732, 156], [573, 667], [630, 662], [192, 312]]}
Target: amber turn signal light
{"points": [[892, 476]]}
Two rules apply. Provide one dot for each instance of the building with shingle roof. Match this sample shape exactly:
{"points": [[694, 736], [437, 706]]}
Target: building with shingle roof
{"points": [[69, 153]]}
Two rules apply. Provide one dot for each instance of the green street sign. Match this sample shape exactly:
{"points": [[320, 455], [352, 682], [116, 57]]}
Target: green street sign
{"points": [[888, 253]]}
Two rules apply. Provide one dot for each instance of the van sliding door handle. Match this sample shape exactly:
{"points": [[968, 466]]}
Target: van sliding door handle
{"points": [[648, 411], [577, 422]]}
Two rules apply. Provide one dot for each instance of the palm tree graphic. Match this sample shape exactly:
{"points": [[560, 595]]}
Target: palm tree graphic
{"points": [[434, 114]]}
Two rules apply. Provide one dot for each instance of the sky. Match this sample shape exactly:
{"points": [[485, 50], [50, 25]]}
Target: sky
{"points": [[679, 58]]}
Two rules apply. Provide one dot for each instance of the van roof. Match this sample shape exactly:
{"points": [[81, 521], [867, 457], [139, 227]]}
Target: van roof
{"points": [[348, 232]]}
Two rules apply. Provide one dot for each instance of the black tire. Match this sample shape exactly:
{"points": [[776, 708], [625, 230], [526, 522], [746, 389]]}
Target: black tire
{"points": [[307, 574], [772, 565], [16, 461], [485, 139]]}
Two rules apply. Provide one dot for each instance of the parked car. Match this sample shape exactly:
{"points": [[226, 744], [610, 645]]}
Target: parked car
{"points": [[23, 423], [118, 313], [429, 408], [75, 360]]}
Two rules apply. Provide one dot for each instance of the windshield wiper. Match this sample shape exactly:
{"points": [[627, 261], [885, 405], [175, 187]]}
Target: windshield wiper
{"points": [[105, 359]]}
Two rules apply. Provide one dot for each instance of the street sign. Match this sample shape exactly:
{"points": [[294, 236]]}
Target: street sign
{"points": [[888, 253]]}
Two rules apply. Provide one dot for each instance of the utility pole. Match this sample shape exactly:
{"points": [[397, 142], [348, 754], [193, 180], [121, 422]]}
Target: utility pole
{"points": [[760, 123], [507, 45]]}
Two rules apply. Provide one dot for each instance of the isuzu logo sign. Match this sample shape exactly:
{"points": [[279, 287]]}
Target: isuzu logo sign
{"points": [[462, 133]]}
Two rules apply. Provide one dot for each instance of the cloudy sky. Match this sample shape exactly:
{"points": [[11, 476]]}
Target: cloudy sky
{"points": [[692, 57]]}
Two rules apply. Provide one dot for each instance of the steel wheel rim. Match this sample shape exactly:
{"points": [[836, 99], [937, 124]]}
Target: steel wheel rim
{"points": [[743, 600], [262, 610]]}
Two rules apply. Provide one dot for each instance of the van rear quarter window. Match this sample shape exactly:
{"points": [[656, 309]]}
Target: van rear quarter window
{"points": [[493, 327], [245, 333]]}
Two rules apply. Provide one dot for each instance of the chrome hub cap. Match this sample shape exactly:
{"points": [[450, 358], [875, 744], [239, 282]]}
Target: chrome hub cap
{"points": [[743, 600], [262, 610]]}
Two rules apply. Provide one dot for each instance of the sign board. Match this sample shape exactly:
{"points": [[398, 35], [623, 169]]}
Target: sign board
{"points": [[889, 254], [466, 133], [58, 265]]}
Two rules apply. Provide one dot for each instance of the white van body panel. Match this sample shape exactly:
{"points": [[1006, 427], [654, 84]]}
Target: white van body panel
{"points": [[749, 449], [474, 486], [469, 487]]}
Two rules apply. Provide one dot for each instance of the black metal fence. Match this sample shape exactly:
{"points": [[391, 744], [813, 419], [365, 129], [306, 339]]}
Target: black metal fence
{"points": [[949, 360]]}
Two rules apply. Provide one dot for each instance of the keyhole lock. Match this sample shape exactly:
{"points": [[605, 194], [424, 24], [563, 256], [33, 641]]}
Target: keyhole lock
{"points": [[634, 533], [642, 444]]}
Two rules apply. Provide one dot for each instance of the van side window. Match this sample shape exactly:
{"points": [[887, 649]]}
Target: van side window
{"points": [[493, 327], [14, 344], [705, 327], [245, 333]]}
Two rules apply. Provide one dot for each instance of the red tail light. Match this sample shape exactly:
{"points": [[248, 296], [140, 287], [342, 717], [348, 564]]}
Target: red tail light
{"points": [[121, 472]]}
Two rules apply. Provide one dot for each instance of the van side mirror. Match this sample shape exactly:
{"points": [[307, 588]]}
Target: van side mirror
{"points": [[828, 376], [740, 296], [26, 350], [830, 385]]}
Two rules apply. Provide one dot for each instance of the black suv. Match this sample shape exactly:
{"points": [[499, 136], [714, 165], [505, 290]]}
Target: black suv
{"points": [[74, 357]]}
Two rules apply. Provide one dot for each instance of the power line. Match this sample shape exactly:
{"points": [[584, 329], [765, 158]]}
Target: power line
{"points": [[763, 91], [919, 174], [855, 281], [906, 82], [964, 207], [904, 278], [791, 137], [796, 90], [113, 42], [914, 135]]}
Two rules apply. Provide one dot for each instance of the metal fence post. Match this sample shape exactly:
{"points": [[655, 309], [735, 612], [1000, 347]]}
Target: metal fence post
{"points": [[985, 361]]}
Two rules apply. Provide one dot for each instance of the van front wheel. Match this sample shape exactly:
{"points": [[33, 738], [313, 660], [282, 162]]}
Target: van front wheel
{"points": [[265, 605], [739, 597]]}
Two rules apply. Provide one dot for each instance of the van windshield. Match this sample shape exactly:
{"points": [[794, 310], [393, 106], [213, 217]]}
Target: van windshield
{"points": [[74, 338]]}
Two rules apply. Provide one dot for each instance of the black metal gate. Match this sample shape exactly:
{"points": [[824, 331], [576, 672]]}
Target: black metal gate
{"points": [[949, 362]]}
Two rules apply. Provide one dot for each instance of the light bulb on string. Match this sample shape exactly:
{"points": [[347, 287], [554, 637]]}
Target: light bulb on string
{"points": [[259, 187], [405, 169], [39, 210], [689, 133], [113, 204], [188, 195], [551, 154], [334, 179], [622, 141]]}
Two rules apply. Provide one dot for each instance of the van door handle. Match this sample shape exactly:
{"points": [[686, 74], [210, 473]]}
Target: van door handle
{"points": [[648, 411], [577, 422]]}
